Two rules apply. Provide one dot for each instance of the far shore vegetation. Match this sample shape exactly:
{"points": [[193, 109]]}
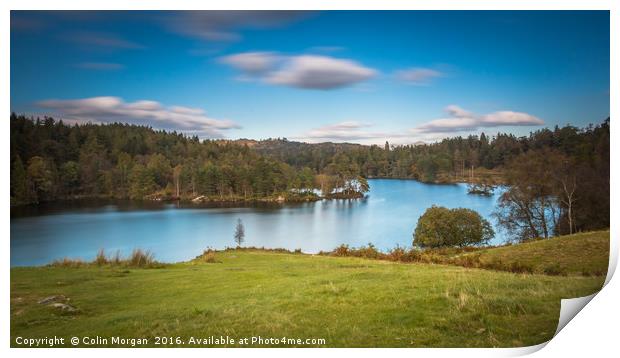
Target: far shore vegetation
{"points": [[557, 179]]}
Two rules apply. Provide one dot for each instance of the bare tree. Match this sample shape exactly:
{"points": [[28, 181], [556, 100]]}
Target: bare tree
{"points": [[239, 233], [569, 199], [527, 208], [176, 173], [566, 175]]}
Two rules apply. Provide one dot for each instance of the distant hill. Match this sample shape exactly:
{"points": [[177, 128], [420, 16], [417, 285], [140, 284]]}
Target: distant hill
{"points": [[243, 141]]}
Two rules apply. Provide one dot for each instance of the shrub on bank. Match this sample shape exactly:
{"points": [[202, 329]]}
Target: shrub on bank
{"points": [[369, 252], [207, 256], [443, 227]]}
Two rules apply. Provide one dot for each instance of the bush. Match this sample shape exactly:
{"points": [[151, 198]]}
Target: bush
{"points": [[342, 250], [411, 255], [554, 270], [519, 267], [470, 260], [443, 227], [369, 252], [397, 254], [208, 256]]}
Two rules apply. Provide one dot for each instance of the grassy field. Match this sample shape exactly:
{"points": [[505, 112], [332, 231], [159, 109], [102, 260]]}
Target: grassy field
{"points": [[349, 302], [580, 254]]}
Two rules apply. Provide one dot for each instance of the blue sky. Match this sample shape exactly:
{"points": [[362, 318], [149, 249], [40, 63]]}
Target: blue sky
{"points": [[355, 76]]}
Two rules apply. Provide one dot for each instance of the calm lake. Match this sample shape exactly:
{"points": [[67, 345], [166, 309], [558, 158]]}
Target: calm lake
{"points": [[386, 218]]}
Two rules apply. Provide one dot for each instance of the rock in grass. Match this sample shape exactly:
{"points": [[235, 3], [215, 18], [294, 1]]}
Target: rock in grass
{"points": [[63, 307], [57, 301], [50, 299]]}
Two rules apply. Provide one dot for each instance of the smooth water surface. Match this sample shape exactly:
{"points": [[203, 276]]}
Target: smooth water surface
{"points": [[386, 218]]}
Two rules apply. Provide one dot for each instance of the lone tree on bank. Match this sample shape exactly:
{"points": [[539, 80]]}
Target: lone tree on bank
{"points": [[441, 227], [239, 233]]}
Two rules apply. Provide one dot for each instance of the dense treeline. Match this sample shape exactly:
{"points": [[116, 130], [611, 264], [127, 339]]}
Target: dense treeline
{"points": [[51, 160], [558, 178], [553, 191], [449, 160]]}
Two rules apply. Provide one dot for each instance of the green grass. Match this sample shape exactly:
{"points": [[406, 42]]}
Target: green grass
{"points": [[349, 302], [578, 254]]}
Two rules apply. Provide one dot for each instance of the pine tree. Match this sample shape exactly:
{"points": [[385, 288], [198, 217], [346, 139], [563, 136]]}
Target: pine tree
{"points": [[19, 184], [142, 182], [41, 174]]}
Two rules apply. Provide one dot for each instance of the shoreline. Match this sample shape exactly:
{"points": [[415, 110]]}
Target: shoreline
{"points": [[467, 256], [232, 200], [195, 201]]}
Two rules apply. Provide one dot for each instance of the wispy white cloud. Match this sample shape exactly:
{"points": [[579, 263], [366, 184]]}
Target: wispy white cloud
{"points": [[320, 72], [458, 112], [225, 25], [343, 131], [144, 112], [100, 66], [361, 133], [462, 120], [102, 40], [418, 76], [354, 132], [254, 63], [303, 71]]}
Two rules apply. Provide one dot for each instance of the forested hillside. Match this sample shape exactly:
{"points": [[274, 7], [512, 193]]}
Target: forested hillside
{"points": [[448, 160], [558, 178], [51, 160]]}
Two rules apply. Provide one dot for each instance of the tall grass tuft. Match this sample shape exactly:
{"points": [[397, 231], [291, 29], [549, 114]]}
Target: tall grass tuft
{"points": [[101, 259], [116, 259], [141, 258], [67, 262]]}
